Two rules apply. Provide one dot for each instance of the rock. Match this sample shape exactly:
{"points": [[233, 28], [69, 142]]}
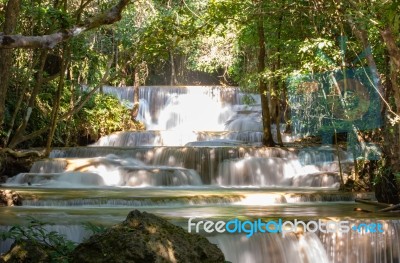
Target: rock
{"points": [[146, 238], [26, 252], [10, 198]]}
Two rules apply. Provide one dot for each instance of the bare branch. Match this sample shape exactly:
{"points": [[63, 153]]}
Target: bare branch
{"points": [[110, 16]]}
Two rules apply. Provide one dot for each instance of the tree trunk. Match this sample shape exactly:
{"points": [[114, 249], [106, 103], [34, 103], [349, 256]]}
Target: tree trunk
{"points": [[386, 189], [76, 108], [394, 50], [262, 88], [286, 113], [394, 53], [10, 23], [278, 119], [136, 84], [173, 74], [32, 101], [16, 110], [71, 106], [56, 103], [276, 86]]}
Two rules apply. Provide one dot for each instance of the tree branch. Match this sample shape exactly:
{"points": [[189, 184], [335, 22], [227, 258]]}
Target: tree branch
{"points": [[22, 154], [110, 16]]}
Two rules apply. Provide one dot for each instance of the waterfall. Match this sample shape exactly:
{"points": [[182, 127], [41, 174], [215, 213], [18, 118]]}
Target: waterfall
{"points": [[138, 202], [204, 160], [183, 111], [205, 135], [110, 170], [271, 248], [314, 247], [49, 166], [169, 106], [183, 138], [201, 156], [258, 171]]}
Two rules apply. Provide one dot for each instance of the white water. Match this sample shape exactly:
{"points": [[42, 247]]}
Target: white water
{"points": [[209, 135], [110, 170], [272, 248], [182, 108], [175, 116], [316, 247], [274, 171], [224, 166]]}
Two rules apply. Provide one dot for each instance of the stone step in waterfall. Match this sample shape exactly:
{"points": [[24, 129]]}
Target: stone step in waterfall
{"points": [[183, 138], [120, 176], [257, 166]]}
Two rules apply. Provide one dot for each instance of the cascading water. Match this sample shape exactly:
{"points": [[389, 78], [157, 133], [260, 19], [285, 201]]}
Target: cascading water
{"points": [[314, 247], [201, 157], [209, 107], [175, 116]]}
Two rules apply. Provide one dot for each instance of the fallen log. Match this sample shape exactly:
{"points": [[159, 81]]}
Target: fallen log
{"points": [[22, 154], [369, 202], [390, 208], [358, 209]]}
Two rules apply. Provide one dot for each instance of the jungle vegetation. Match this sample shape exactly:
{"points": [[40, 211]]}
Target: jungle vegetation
{"points": [[56, 55]]}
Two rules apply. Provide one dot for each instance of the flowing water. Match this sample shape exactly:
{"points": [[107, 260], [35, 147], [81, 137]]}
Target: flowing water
{"points": [[201, 157]]}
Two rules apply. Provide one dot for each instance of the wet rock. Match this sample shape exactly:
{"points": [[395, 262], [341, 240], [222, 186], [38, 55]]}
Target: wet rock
{"points": [[10, 198], [26, 252], [146, 238]]}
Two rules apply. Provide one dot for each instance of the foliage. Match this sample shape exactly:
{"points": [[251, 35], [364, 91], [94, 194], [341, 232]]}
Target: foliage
{"points": [[35, 232], [104, 114], [101, 115], [94, 229]]}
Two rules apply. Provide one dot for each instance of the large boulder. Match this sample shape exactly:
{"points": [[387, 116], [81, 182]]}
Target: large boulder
{"points": [[10, 198], [28, 251], [146, 238]]}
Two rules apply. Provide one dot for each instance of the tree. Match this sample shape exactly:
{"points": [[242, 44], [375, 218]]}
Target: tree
{"points": [[383, 18], [262, 88], [10, 23], [45, 42], [248, 17], [111, 16]]}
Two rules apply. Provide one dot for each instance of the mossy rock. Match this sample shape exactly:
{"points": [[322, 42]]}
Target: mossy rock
{"points": [[144, 237], [27, 252], [10, 198]]}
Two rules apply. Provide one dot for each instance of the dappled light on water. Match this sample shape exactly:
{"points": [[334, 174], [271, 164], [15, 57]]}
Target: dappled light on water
{"points": [[262, 199]]}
